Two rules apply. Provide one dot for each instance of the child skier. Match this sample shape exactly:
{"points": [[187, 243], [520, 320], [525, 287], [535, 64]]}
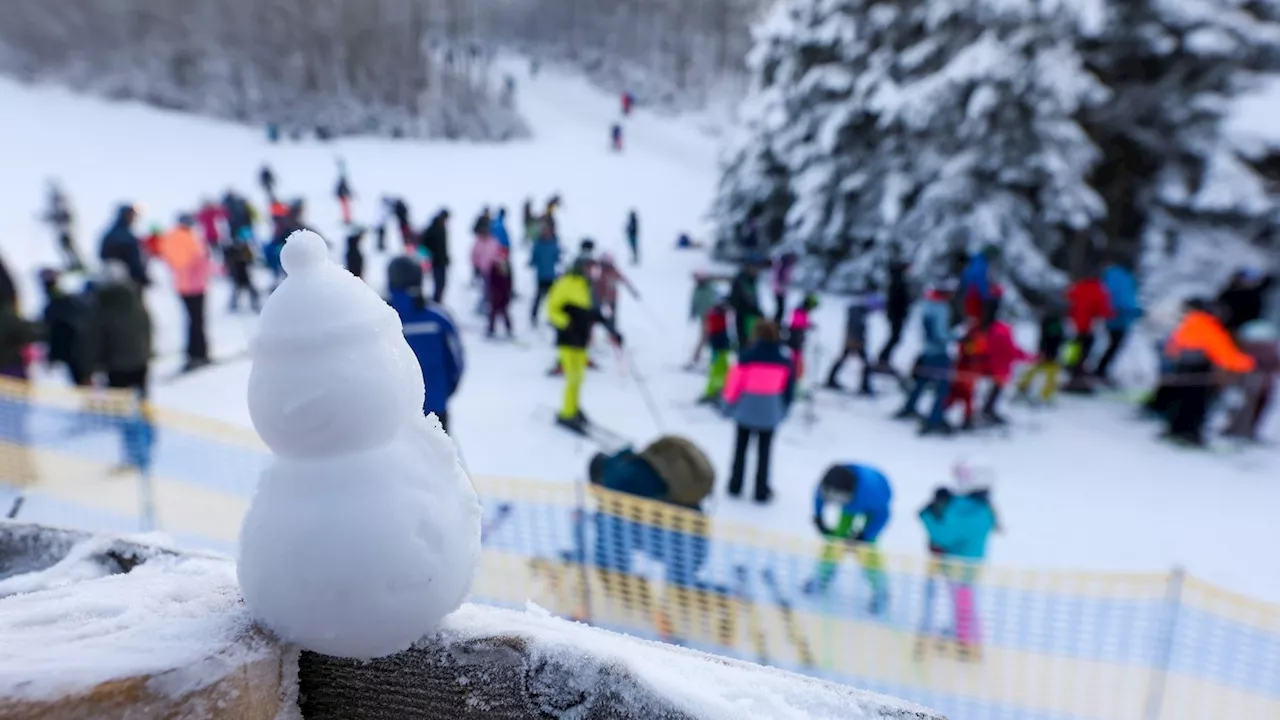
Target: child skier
{"points": [[1002, 353], [855, 344], [863, 495], [1090, 303], [608, 278], [573, 314], [933, 367], [704, 297], [970, 366], [483, 254], [1053, 333], [715, 330], [798, 331], [499, 294], [958, 524]]}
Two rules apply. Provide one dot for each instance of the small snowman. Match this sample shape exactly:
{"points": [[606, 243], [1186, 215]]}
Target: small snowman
{"points": [[364, 531]]}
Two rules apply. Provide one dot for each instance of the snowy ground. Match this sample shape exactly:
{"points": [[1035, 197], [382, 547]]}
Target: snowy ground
{"points": [[1080, 486]]}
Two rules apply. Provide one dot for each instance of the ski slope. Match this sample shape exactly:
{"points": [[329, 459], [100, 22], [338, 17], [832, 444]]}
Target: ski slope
{"points": [[1083, 485]]}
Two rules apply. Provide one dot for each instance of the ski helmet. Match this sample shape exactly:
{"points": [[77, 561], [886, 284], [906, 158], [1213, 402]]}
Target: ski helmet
{"points": [[973, 472]]}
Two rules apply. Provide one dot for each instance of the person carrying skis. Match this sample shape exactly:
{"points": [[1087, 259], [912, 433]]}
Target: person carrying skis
{"points": [[1053, 335], [573, 314], [65, 316], [1258, 339], [544, 259], [855, 344], [1089, 303], [783, 271], [436, 241], [758, 394], [61, 219], [1122, 289], [188, 260], [704, 297], [933, 367], [715, 330], [119, 340], [431, 334], [798, 332], [1199, 346], [608, 278], [958, 523], [119, 243], [863, 495], [744, 299], [500, 294], [633, 236], [896, 309], [239, 256]]}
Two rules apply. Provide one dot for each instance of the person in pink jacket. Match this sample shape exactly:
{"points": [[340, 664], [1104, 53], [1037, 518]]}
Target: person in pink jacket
{"points": [[1002, 354], [483, 255], [188, 259]]}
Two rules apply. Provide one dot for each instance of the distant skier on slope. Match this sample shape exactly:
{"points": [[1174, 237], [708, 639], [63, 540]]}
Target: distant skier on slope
{"points": [[62, 220], [572, 313], [863, 495], [344, 193], [633, 236], [267, 179], [431, 334]]}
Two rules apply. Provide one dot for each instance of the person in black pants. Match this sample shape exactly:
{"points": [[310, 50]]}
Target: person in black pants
{"points": [[767, 370], [897, 308], [436, 241]]}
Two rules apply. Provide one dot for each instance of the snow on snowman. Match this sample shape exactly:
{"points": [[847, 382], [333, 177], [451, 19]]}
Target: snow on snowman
{"points": [[364, 531]]}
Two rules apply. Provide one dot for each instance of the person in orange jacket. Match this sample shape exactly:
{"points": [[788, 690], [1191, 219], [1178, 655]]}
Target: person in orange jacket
{"points": [[188, 259], [1199, 349]]}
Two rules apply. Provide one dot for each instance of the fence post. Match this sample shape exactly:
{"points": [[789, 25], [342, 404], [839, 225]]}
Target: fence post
{"points": [[147, 500], [580, 539], [1164, 645]]}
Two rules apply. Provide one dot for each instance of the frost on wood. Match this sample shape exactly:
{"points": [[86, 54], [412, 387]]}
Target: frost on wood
{"points": [[505, 665], [365, 530], [104, 627]]}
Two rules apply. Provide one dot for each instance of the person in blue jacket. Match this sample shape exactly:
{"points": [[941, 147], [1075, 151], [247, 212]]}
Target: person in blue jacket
{"points": [[120, 243], [863, 495], [933, 366], [498, 229], [544, 259], [1123, 289], [976, 287], [431, 335], [959, 522]]}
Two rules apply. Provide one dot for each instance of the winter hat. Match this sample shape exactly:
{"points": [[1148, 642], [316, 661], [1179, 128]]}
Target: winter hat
{"points": [[972, 473], [404, 274], [1258, 331], [317, 301]]}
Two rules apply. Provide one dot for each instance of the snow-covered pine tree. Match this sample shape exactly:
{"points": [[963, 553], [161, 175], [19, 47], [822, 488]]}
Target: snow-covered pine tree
{"points": [[1180, 197], [917, 127]]}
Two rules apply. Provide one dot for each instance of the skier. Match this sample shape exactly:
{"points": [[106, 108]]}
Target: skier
{"points": [[758, 394], [1002, 353], [119, 243], [1197, 347], [483, 254], [64, 317], [119, 330], [633, 236], [498, 228], [431, 335], [211, 218], [392, 208], [436, 241], [532, 223], [344, 193], [61, 219], [798, 331], [499, 294], [977, 283], [239, 257], [549, 216], [544, 259], [863, 495], [715, 330], [855, 344], [703, 298], [783, 269], [958, 524], [933, 367], [744, 300], [1053, 334], [188, 261], [267, 179], [572, 313], [1089, 304], [354, 257], [615, 135], [897, 308], [608, 278], [1122, 289], [627, 101], [239, 216], [1258, 338]]}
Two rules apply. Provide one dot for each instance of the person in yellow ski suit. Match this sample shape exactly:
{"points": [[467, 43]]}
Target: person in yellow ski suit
{"points": [[573, 314]]}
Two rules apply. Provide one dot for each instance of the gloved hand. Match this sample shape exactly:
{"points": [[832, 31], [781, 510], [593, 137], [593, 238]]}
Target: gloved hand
{"points": [[821, 525]]}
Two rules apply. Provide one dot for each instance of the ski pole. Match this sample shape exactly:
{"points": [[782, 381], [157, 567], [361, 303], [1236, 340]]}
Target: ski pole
{"points": [[17, 505], [643, 386]]}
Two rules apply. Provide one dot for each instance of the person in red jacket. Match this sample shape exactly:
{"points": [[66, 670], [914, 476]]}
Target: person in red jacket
{"points": [[1088, 303], [970, 367], [1002, 354]]}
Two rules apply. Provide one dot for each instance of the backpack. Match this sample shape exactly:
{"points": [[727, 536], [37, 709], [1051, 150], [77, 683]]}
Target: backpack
{"points": [[685, 469]]}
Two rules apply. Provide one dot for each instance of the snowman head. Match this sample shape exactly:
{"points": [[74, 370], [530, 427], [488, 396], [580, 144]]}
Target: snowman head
{"points": [[332, 373]]}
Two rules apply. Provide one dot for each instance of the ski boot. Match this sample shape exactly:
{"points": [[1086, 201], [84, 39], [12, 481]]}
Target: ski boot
{"points": [[943, 429], [908, 413], [577, 424]]}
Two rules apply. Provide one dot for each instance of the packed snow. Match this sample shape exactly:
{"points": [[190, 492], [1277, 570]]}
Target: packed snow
{"points": [[1082, 486], [365, 531]]}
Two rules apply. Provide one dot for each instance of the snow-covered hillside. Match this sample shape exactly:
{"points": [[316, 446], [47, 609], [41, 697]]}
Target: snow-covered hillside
{"points": [[1080, 486]]}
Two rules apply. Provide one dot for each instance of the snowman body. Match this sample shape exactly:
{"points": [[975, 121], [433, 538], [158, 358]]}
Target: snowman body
{"points": [[364, 531]]}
